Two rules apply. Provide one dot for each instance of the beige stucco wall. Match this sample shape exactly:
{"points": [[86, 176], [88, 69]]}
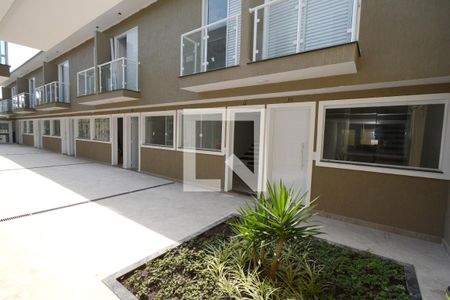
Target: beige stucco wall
{"points": [[51, 143], [169, 163], [404, 202], [94, 150], [447, 222], [28, 139]]}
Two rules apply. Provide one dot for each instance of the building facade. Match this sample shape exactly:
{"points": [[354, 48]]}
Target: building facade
{"points": [[346, 99]]}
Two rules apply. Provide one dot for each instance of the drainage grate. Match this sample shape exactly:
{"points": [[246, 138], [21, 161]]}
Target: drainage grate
{"points": [[83, 202]]}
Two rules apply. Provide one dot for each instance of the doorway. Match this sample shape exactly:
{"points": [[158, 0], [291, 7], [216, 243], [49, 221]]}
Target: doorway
{"points": [[290, 137], [245, 140], [133, 144], [120, 141]]}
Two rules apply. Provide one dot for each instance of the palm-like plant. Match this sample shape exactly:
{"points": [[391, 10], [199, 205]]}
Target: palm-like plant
{"points": [[275, 220]]}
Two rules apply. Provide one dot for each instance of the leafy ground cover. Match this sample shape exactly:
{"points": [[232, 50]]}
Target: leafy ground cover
{"points": [[188, 272]]}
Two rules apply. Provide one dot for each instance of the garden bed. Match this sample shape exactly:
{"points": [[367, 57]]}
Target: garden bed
{"points": [[183, 272]]}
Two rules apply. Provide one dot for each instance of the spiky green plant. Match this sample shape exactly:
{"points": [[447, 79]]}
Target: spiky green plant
{"points": [[274, 220]]}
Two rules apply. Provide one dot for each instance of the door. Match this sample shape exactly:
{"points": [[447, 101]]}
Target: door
{"points": [[126, 46], [290, 133], [32, 90], [63, 78], [134, 143], [245, 144]]}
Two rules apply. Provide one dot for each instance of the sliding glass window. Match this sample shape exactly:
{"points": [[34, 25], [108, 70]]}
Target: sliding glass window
{"points": [[30, 127], [202, 132], [47, 127], [102, 130], [84, 126], [159, 130], [403, 136], [56, 128]]}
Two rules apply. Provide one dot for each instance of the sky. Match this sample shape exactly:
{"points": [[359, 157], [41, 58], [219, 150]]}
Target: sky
{"points": [[18, 54]]}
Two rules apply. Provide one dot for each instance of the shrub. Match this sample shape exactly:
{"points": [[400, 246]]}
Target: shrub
{"points": [[273, 222]]}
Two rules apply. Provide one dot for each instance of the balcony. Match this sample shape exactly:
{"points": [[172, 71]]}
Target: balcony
{"points": [[86, 82], [6, 108], [290, 40], [118, 82], [23, 104], [52, 96], [211, 47]]}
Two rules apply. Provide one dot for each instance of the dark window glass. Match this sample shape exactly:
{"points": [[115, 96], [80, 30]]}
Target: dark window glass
{"points": [[47, 127], [56, 128], [405, 136], [159, 131]]}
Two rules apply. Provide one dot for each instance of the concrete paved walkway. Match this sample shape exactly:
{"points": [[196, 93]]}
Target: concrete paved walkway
{"points": [[65, 253]]}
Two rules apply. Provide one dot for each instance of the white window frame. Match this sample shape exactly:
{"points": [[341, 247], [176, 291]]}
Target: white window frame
{"points": [[28, 127], [92, 128], [77, 129], [168, 113], [444, 161], [198, 111]]}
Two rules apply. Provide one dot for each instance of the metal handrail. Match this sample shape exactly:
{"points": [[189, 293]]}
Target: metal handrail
{"points": [[211, 25], [48, 97], [84, 73], [204, 32], [124, 85]]}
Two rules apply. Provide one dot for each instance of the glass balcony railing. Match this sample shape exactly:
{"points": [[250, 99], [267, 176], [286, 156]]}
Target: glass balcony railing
{"points": [[121, 73], [210, 47], [54, 92], [22, 101], [86, 82], [5, 106], [283, 27]]}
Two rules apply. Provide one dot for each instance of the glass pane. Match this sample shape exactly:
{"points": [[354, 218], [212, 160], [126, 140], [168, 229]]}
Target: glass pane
{"points": [[30, 127], [159, 130], [56, 128], [190, 131], [408, 136], [83, 129], [102, 129], [47, 127], [217, 10]]}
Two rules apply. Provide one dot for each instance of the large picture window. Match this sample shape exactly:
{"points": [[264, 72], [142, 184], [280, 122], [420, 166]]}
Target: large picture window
{"points": [[47, 127], [202, 131], [102, 130], [84, 129], [159, 130], [401, 136]]}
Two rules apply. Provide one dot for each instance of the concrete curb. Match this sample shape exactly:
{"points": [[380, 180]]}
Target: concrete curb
{"points": [[120, 291]]}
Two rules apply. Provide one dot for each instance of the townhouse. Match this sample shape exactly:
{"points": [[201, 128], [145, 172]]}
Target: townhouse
{"points": [[346, 99]]}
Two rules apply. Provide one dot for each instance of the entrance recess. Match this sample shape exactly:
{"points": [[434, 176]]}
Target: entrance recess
{"points": [[290, 137], [245, 140]]}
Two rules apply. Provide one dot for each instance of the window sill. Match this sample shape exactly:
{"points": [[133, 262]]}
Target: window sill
{"points": [[171, 148], [217, 153], [434, 174]]}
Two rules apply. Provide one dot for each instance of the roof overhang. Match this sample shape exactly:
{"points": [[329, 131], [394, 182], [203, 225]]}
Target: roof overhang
{"points": [[76, 16]]}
